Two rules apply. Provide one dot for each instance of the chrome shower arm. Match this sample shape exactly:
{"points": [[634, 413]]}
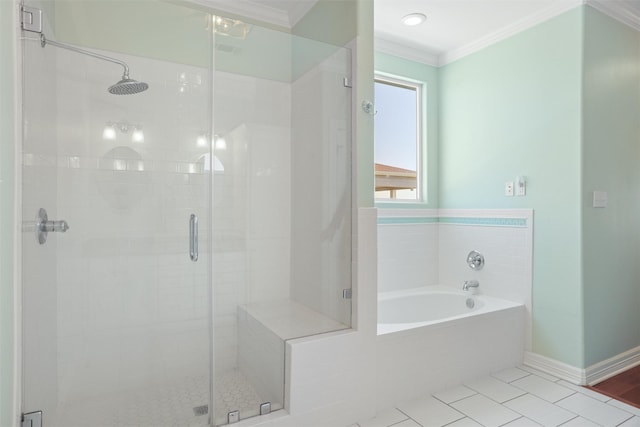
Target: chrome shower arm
{"points": [[44, 42]]}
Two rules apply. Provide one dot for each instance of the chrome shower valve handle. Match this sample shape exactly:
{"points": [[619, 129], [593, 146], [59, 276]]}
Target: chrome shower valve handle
{"points": [[475, 260]]}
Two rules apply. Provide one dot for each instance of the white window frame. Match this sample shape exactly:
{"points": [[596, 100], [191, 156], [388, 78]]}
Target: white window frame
{"points": [[418, 86]]}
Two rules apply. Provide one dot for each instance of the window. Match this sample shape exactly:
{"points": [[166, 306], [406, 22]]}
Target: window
{"points": [[397, 139]]}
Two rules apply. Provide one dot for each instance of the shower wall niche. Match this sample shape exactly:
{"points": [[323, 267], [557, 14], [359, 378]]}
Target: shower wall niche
{"points": [[250, 132]]}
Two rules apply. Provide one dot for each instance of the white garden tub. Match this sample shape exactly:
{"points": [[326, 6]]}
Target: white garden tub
{"points": [[436, 337], [414, 308]]}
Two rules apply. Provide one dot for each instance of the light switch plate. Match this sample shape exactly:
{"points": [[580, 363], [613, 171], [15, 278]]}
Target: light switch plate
{"points": [[599, 199]]}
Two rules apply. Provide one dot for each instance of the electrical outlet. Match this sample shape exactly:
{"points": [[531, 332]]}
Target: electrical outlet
{"points": [[508, 188]]}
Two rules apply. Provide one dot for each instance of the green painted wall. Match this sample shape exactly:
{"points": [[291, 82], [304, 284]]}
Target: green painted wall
{"points": [[7, 193], [430, 77], [512, 109], [611, 155], [559, 104]]}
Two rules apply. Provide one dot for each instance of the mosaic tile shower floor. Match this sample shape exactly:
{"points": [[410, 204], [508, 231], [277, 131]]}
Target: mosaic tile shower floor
{"points": [[178, 404]]}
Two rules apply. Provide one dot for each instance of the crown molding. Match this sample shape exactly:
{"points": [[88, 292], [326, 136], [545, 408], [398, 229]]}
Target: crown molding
{"points": [[618, 10], [250, 10], [412, 52], [262, 12], [510, 30]]}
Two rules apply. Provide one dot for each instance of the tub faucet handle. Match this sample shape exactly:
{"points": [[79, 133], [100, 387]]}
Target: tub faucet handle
{"points": [[475, 260], [468, 284]]}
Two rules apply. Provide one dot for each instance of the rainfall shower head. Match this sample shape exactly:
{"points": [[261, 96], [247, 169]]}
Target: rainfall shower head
{"points": [[126, 86]]}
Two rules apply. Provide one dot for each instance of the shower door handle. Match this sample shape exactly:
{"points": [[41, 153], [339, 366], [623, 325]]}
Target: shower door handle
{"points": [[193, 238]]}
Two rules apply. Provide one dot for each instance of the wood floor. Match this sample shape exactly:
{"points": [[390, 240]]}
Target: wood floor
{"points": [[624, 387]]}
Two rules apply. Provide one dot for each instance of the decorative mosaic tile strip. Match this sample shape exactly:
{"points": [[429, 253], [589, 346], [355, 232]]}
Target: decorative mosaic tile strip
{"points": [[493, 222], [406, 220]]}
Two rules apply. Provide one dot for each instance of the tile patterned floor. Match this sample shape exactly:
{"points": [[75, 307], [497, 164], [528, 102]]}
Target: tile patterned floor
{"points": [[516, 397]]}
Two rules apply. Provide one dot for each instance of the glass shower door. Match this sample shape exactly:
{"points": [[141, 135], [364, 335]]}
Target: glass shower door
{"points": [[282, 207], [116, 309]]}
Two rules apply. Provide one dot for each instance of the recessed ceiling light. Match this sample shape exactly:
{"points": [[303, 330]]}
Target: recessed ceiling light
{"points": [[413, 19]]}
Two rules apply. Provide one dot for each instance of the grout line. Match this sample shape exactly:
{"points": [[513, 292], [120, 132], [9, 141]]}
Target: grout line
{"points": [[556, 401], [408, 418], [517, 397], [457, 400], [571, 419], [459, 419], [400, 422]]}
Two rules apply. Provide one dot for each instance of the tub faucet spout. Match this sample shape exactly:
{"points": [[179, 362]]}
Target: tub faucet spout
{"points": [[470, 284]]}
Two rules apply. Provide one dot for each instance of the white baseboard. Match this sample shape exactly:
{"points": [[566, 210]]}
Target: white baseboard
{"points": [[591, 375], [612, 366], [557, 369]]}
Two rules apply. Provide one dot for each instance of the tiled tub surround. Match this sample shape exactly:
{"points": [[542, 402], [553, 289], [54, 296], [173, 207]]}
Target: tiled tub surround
{"points": [[417, 248], [407, 249], [422, 247]]}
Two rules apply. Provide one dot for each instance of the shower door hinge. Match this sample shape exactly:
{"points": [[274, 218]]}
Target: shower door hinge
{"points": [[32, 419], [346, 82], [31, 19], [346, 293]]}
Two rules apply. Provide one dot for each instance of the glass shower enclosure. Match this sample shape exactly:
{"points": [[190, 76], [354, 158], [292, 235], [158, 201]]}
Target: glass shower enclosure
{"points": [[192, 228]]}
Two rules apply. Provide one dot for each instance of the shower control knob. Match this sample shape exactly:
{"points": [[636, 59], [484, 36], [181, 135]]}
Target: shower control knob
{"points": [[475, 260], [44, 226]]}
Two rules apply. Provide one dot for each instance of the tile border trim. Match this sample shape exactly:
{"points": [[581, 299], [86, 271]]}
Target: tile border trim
{"points": [[520, 218], [406, 220]]}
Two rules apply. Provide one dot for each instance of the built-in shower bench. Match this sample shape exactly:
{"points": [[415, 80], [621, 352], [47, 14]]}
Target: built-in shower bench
{"points": [[263, 329], [288, 319]]}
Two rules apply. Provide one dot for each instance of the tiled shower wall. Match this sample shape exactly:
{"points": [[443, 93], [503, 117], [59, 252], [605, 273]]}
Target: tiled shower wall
{"points": [[127, 307], [321, 192], [251, 204]]}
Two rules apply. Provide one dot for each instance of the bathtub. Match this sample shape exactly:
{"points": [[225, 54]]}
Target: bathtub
{"points": [[436, 337], [429, 305]]}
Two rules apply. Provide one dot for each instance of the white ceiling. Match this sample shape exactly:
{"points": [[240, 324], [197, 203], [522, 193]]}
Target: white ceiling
{"points": [[454, 28]]}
